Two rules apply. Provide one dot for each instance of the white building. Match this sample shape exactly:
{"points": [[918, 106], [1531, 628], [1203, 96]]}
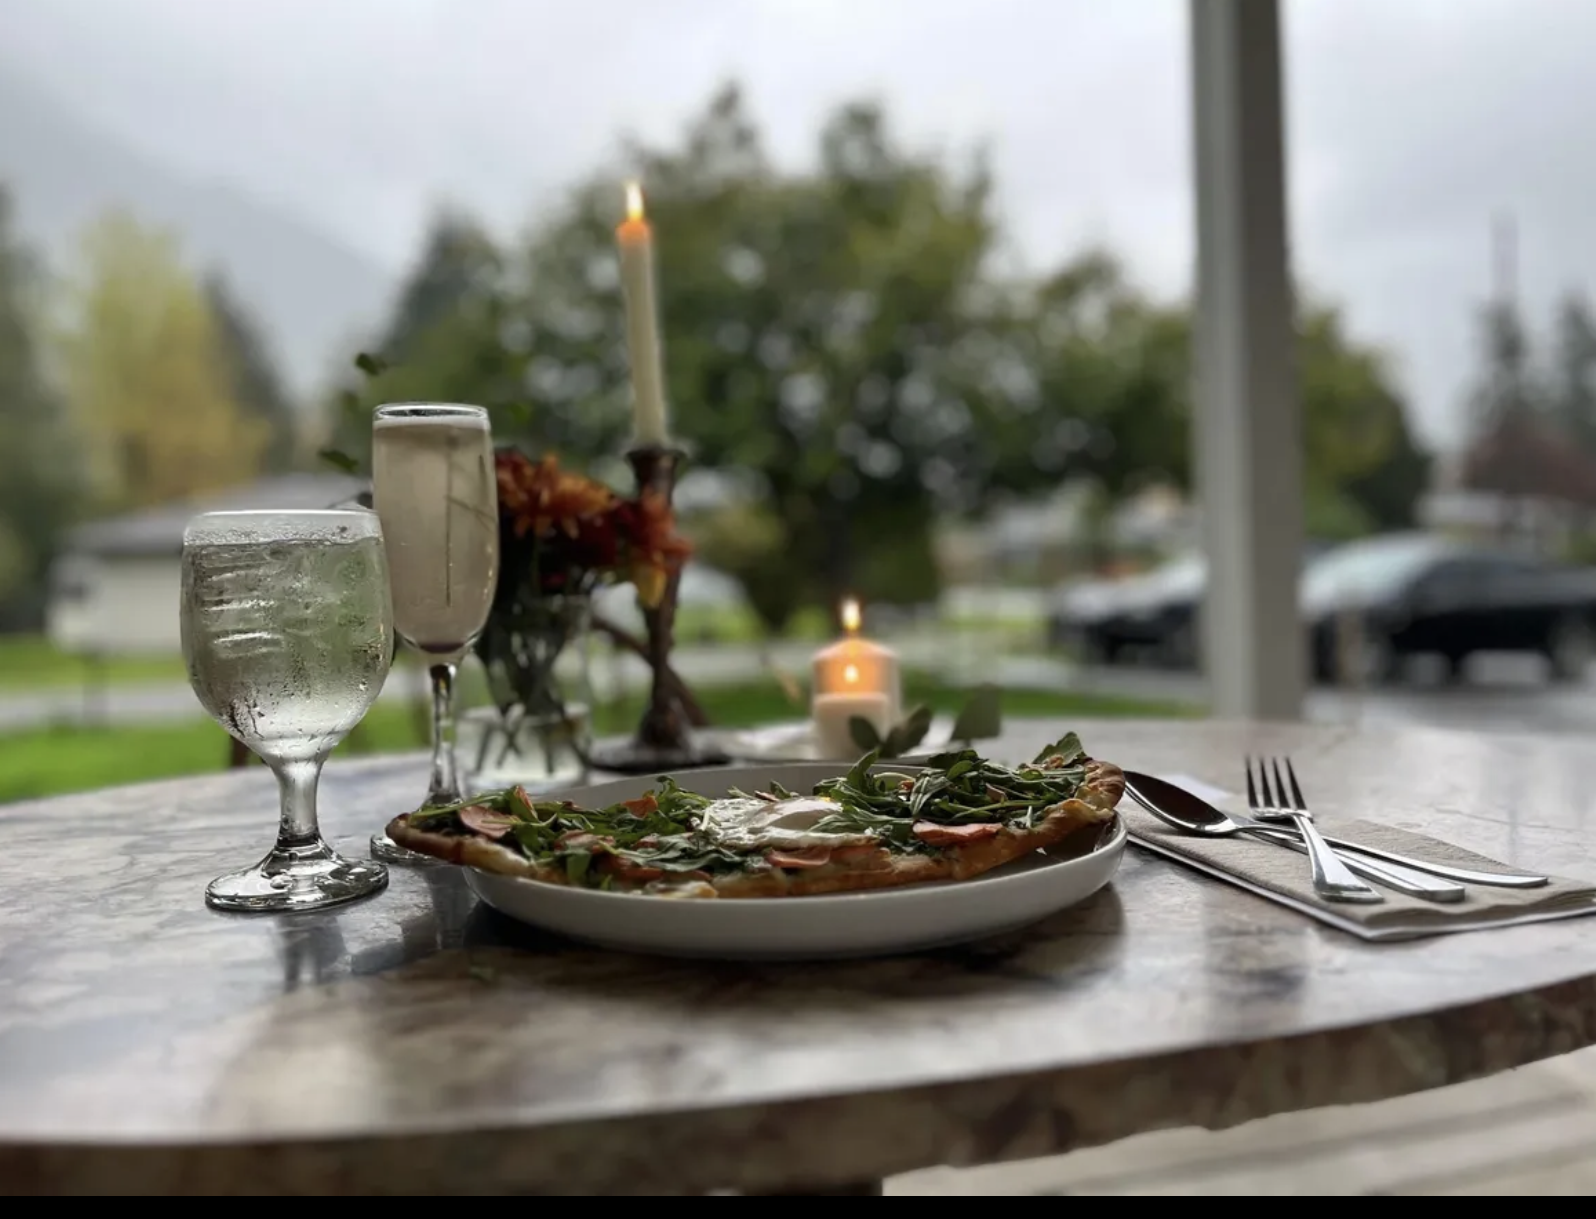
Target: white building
{"points": [[114, 589]]}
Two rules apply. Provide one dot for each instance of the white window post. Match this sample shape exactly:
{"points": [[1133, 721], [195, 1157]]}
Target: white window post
{"points": [[1248, 433]]}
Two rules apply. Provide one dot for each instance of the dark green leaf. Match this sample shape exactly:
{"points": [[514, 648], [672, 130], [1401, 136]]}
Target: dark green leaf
{"points": [[340, 461], [533, 838], [689, 863], [424, 816], [982, 716], [576, 865], [859, 776], [514, 416], [962, 767], [1067, 747], [914, 728], [926, 786], [497, 801], [864, 733], [372, 366]]}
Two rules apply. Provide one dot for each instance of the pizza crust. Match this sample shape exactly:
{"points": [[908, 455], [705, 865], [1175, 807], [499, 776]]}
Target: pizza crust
{"points": [[1095, 803]]}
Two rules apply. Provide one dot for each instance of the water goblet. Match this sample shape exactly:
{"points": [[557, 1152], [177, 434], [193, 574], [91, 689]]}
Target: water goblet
{"points": [[287, 628]]}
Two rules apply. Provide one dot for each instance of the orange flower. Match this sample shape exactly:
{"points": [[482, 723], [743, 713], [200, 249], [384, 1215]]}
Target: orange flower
{"points": [[570, 532], [650, 583], [655, 551], [542, 498]]}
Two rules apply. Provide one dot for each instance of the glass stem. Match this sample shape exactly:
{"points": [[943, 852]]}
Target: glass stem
{"points": [[296, 789], [445, 787]]}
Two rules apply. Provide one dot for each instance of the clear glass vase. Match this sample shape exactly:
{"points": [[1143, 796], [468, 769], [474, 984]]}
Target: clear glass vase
{"points": [[538, 733]]}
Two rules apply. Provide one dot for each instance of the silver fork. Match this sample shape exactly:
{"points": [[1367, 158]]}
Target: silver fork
{"points": [[1332, 879]]}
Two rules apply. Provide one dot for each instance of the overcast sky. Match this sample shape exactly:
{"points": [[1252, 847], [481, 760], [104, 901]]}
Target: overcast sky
{"points": [[1412, 121]]}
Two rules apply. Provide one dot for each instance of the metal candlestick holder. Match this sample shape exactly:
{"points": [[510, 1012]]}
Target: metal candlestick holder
{"points": [[664, 740]]}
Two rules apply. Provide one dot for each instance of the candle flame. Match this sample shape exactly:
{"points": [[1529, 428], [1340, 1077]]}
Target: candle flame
{"points": [[850, 674], [634, 202], [850, 616]]}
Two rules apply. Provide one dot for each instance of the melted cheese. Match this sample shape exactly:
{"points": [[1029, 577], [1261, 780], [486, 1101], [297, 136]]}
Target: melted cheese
{"points": [[748, 824]]}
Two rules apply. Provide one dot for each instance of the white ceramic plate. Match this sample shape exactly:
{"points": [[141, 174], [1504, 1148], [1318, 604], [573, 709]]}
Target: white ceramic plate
{"points": [[796, 742], [872, 923]]}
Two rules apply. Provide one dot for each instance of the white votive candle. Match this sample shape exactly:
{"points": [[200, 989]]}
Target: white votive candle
{"points": [[832, 714], [855, 665]]}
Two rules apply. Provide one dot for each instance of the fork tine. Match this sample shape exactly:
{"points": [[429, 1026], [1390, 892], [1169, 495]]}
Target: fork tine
{"points": [[1252, 791], [1296, 790], [1280, 787], [1268, 793]]}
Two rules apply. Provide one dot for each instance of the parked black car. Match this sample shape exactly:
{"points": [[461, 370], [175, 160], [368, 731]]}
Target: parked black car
{"points": [[1153, 614], [1415, 594], [1407, 593]]}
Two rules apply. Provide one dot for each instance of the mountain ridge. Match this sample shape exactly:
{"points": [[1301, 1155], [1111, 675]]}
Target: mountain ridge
{"points": [[311, 294]]}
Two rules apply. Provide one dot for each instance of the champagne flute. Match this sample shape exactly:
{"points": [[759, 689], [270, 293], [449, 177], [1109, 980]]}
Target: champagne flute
{"points": [[434, 486], [287, 627]]}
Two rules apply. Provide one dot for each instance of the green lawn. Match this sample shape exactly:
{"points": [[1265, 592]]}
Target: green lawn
{"points": [[30, 662], [700, 624], [55, 760]]}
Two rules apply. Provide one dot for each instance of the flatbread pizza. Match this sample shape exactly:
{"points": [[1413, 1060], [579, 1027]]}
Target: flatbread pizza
{"points": [[958, 817]]}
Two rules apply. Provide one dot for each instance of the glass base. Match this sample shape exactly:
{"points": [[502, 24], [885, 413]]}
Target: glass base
{"points": [[389, 851], [310, 877], [538, 752]]}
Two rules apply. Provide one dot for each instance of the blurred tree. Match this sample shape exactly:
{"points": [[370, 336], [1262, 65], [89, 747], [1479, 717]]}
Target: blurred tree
{"points": [[1114, 371], [1111, 369], [1362, 469], [839, 335], [1506, 384], [146, 376], [819, 330], [448, 339], [1573, 377], [256, 387], [458, 263], [750, 543], [1388, 493], [37, 495], [1519, 449]]}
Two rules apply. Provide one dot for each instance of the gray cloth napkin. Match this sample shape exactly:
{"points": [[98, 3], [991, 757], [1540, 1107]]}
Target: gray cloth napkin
{"points": [[1282, 875]]}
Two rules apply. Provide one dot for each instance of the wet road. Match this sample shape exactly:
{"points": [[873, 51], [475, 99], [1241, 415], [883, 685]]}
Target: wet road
{"points": [[1501, 694]]}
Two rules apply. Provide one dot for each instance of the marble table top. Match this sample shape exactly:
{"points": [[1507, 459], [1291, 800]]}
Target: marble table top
{"points": [[417, 1043]]}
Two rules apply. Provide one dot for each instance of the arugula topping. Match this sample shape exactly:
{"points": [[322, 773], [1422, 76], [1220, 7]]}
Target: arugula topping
{"points": [[956, 788], [659, 834]]}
